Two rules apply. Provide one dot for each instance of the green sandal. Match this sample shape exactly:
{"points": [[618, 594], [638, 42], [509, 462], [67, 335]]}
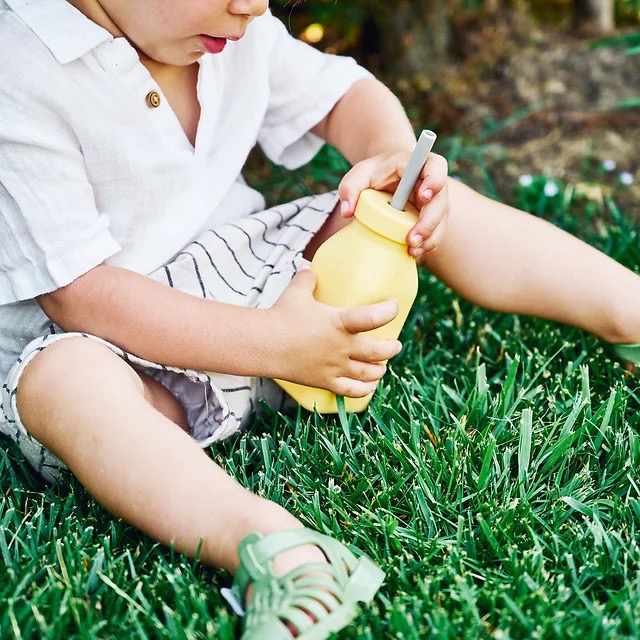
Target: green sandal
{"points": [[331, 598]]}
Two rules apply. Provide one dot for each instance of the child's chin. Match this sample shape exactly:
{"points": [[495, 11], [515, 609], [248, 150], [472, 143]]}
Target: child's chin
{"points": [[174, 58], [192, 57]]}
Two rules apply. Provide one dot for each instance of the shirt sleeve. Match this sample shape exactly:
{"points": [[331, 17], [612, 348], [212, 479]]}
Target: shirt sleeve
{"points": [[50, 230], [304, 85]]}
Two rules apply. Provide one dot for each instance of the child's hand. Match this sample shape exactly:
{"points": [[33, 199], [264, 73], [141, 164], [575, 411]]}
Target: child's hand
{"points": [[430, 194], [319, 345]]}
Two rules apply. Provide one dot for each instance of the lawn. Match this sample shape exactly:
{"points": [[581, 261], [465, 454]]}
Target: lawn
{"points": [[494, 477]]}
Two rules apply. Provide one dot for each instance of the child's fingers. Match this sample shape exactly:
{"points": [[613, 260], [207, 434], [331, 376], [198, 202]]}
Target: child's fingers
{"points": [[366, 371], [368, 349], [355, 181], [433, 242], [430, 217], [434, 177], [389, 173], [368, 317], [353, 388]]}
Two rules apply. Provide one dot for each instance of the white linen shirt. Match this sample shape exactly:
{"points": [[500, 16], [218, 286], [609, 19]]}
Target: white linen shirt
{"points": [[89, 172]]}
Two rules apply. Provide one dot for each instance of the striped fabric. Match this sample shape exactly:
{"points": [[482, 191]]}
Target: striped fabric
{"points": [[248, 262]]}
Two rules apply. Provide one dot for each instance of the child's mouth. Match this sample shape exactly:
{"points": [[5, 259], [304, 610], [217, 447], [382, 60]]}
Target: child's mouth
{"points": [[213, 45]]}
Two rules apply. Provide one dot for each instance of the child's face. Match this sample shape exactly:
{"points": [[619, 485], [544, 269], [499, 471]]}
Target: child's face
{"points": [[169, 31]]}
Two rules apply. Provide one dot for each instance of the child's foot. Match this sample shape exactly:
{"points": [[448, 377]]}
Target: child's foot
{"points": [[285, 562], [299, 584]]}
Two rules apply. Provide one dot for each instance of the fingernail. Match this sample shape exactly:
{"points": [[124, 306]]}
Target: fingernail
{"points": [[416, 240], [418, 252], [344, 207], [426, 194]]}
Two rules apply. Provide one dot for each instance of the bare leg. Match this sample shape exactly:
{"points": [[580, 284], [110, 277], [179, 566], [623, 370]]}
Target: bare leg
{"points": [[136, 461], [504, 259], [332, 225]]}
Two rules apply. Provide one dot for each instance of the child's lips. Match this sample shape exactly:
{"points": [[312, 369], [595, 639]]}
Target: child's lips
{"points": [[213, 45]]}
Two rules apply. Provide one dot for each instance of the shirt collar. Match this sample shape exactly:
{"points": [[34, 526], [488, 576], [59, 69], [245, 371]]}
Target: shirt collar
{"points": [[66, 31]]}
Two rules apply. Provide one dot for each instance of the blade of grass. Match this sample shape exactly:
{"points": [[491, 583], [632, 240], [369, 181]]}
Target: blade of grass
{"points": [[524, 447]]}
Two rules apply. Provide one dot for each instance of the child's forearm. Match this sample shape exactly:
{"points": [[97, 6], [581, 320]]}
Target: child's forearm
{"points": [[161, 324], [366, 121]]}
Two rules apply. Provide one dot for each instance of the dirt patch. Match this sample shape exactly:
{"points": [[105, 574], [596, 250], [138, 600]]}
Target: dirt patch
{"points": [[544, 102]]}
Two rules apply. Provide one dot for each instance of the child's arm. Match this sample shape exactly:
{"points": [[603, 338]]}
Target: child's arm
{"points": [[368, 120], [158, 323], [298, 339], [370, 128]]}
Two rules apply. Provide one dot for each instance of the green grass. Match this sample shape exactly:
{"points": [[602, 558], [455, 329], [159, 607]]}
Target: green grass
{"points": [[494, 477]]}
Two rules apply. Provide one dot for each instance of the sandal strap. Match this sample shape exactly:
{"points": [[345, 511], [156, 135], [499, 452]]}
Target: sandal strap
{"points": [[235, 596], [255, 552], [268, 547], [630, 352]]}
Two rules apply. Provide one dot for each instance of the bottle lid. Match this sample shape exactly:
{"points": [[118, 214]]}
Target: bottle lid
{"points": [[375, 211]]}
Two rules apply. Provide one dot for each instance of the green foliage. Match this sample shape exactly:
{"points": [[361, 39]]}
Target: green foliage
{"points": [[494, 477], [628, 10], [347, 14], [629, 40]]}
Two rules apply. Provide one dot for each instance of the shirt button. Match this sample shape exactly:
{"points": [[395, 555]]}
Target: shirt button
{"points": [[153, 99]]}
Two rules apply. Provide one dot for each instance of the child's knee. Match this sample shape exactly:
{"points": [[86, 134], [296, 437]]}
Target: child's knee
{"points": [[66, 371]]}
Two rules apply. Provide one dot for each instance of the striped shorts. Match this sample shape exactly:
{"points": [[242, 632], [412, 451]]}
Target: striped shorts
{"points": [[249, 262]]}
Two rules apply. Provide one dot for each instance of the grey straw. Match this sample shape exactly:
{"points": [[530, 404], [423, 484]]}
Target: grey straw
{"points": [[411, 173]]}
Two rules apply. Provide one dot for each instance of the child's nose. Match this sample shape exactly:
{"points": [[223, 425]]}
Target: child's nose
{"points": [[251, 8]]}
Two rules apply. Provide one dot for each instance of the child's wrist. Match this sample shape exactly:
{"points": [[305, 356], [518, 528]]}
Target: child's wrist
{"points": [[391, 147], [256, 350], [281, 346]]}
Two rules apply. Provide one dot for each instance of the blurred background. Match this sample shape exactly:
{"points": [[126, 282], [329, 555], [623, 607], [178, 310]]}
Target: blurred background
{"points": [[526, 95]]}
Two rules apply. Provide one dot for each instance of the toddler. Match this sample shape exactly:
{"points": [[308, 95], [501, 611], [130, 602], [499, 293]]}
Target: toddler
{"points": [[148, 299]]}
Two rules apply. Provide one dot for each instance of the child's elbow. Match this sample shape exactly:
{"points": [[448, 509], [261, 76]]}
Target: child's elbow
{"points": [[62, 304]]}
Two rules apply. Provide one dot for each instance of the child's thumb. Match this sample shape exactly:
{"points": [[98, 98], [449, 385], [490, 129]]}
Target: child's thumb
{"points": [[306, 277]]}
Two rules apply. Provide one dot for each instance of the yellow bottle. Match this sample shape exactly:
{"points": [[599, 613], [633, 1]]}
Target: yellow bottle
{"points": [[364, 263]]}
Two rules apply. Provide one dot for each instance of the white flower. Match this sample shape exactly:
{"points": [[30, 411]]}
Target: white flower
{"points": [[609, 165], [626, 178], [551, 189], [526, 180]]}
